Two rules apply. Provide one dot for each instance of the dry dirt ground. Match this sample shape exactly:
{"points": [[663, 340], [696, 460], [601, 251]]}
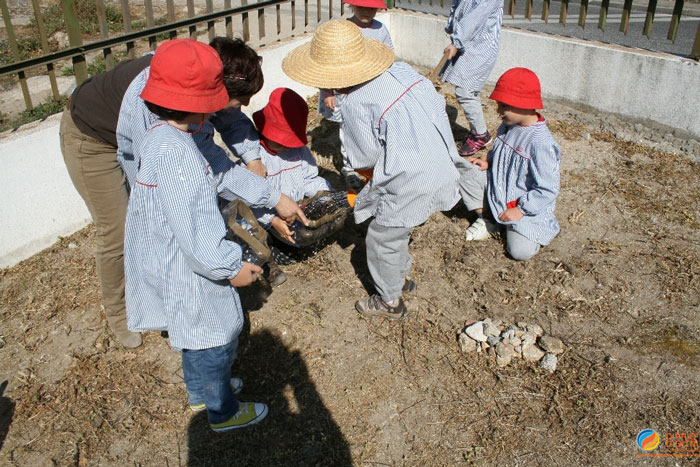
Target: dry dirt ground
{"points": [[619, 286]]}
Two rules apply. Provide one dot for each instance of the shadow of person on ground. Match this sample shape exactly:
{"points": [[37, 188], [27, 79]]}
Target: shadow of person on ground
{"points": [[458, 131], [7, 411], [324, 141], [298, 431], [358, 258]]}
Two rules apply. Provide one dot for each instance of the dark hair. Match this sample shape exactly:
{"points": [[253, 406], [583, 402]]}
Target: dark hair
{"points": [[242, 66], [167, 114]]}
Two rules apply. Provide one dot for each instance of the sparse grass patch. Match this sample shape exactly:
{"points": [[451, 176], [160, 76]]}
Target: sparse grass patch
{"points": [[39, 112]]}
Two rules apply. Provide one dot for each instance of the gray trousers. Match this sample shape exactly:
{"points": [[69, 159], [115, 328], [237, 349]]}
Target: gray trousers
{"points": [[471, 104], [387, 258], [519, 247], [473, 186]]}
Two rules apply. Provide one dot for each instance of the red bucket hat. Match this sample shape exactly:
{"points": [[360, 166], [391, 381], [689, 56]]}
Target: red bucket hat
{"points": [[520, 88], [186, 75], [367, 3], [283, 119]]}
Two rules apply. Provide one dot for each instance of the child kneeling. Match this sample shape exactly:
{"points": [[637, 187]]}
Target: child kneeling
{"points": [[181, 272], [291, 167], [519, 180]]}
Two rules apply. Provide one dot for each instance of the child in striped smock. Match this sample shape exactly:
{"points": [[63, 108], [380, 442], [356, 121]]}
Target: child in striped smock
{"points": [[519, 180], [329, 102], [474, 27], [291, 167], [396, 126], [181, 272]]}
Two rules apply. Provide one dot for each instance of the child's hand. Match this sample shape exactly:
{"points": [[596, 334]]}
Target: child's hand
{"points": [[451, 50], [289, 210], [330, 102], [247, 275], [511, 215], [257, 167], [282, 228], [482, 164]]}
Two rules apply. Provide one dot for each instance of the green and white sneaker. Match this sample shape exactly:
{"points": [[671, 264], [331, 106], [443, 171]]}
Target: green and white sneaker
{"points": [[249, 413], [236, 387]]}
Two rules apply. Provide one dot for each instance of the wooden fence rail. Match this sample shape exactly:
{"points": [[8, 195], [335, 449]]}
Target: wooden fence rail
{"points": [[276, 20]]}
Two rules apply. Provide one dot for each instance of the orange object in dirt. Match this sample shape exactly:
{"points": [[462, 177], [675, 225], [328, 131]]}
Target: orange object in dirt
{"points": [[351, 198]]}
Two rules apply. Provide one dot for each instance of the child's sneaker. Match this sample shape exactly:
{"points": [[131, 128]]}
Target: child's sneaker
{"points": [[249, 413], [236, 387], [481, 229], [375, 306], [473, 143]]}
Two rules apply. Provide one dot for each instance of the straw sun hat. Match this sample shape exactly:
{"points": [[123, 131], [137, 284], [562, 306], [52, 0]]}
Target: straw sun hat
{"points": [[337, 57]]}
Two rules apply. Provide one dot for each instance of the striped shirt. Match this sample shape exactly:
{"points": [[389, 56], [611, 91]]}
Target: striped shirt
{"points": [[236, 129], [293, 172], [377, 31], [475, 29], [177, 260], [397, 125], [524, 167]]}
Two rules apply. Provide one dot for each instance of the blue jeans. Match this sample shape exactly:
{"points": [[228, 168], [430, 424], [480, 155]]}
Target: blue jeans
{"points": [[207, 377]]}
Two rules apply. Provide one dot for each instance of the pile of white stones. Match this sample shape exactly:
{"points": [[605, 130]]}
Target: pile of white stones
{"points": [[526, 341]]}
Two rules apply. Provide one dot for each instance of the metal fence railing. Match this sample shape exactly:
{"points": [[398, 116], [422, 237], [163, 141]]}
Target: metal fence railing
{"points": [[258, 24], [442, 7], [120, 28]]}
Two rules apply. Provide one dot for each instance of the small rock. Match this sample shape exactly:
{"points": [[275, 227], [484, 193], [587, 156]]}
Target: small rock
{"points": [[535, 329], [551, 344], [466, 344], [518, 351], [549, 362], [504, 349], [587, 136], [97, 422], [504, 354], [493, 340], [476, 331], [638, 127], [497, 322], [482, 347], [522, 324], [72, 246], [508, 334], [503, 361], [532, 353], [490, 330], [519, 333], [528, 339]]}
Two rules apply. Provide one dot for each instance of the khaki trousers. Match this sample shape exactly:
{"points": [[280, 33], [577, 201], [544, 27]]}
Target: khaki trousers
{"points": [[96, 174]]}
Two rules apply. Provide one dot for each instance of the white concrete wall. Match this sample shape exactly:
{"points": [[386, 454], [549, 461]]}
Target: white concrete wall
{"points": [[633, 83], [39, 202]]}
